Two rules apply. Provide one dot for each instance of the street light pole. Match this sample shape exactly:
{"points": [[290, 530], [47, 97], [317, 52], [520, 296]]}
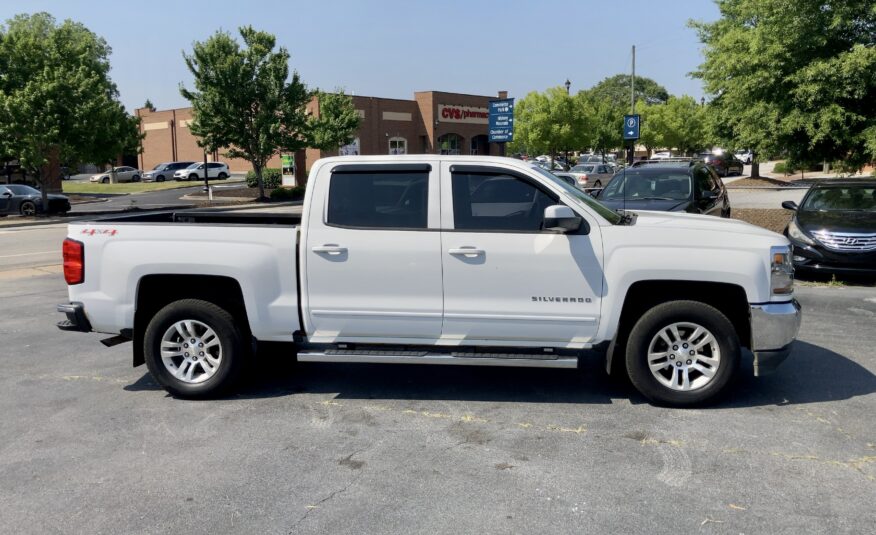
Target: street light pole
{"points": [[568, 85]]}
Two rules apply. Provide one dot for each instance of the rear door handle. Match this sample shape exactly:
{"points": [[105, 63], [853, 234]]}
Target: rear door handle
{"points": [[329, 248], [466, 251]]}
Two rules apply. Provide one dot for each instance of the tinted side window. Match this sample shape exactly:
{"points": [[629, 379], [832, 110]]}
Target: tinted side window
{"points": [[379, 200], [703, 180], [487, 201]]}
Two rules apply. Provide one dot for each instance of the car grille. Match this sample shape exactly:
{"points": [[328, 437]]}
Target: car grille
{"points": [[846, 241]]}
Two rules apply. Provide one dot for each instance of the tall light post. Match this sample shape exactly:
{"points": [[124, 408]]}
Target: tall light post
{"points": [[568, 85]]}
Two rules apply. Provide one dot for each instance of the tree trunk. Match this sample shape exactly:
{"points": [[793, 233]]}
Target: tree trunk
{"points": [[258, 171], [755, 168]]}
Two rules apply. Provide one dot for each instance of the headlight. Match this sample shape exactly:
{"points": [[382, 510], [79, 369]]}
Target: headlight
{"points": [[797, 233], [781, 271]]}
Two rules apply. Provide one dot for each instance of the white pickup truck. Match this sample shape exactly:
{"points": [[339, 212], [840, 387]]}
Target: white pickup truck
{"points": [[437, 260]]}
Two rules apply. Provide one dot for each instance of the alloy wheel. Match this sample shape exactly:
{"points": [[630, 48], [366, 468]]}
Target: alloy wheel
{"points": [[191, 351], [684, 356]]}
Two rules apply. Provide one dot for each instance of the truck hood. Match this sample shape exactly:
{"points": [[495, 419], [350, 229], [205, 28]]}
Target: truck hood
{"points": [[659, 205], [678, 221]]}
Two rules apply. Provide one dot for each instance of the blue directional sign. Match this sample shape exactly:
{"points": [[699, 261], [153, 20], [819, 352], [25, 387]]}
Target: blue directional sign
{"points": [[501, 120], [631, 127]]}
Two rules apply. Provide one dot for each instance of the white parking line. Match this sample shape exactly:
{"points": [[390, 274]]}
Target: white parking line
{"points": [[30, 254]]}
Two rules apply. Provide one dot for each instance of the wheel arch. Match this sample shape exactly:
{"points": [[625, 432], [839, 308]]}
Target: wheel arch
{"points": [[157, 291], [730, 299]]}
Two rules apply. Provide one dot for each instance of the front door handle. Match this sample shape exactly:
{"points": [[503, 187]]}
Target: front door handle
{"points": [[329, 248], [466, 251]]}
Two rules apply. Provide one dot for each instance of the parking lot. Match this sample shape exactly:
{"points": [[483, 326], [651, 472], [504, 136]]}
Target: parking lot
{"points": [[91, 445]]}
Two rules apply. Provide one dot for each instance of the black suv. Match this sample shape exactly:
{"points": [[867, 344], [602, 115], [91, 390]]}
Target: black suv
{"points": [[668, 186]]}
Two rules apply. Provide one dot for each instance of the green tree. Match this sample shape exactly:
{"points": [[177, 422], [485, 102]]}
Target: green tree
{"points": [[606, 122], [335, 124], [245, 103], [794, 76], [616, 89], [148, 105], [550, 122], [57, 102]]}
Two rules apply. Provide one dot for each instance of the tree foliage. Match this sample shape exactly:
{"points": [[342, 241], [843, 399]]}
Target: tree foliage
{"points": [[679, 124], [549, 122], [795, 76], [245, 103], [56, 96], [336, 122], [616, 90]]}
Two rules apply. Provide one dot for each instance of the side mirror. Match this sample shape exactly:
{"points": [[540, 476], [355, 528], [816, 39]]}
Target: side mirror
{"points": [[708, 195], [561, 218], [789, 205], [7, 194]]}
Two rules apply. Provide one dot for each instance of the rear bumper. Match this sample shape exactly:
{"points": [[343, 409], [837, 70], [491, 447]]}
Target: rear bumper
{"points": [[76, 318], [774, 327]]}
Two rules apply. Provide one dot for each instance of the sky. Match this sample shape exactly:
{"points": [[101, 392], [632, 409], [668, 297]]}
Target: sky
{"points": [[392, 48]]}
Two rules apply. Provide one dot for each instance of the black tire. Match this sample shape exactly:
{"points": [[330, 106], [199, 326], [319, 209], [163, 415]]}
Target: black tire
{"points": [[222, 176], [193, 176], [159, 178], [662, 316], [104, 180], [27, 208], [233, 356], [135, 178]]}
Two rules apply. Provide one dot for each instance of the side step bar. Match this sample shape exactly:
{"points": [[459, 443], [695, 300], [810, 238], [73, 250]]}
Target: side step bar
{"points": [[423, 357]]}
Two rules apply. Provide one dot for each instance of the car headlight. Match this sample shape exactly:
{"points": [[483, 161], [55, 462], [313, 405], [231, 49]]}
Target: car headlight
{"points": [[797, 233], [781, 271]]}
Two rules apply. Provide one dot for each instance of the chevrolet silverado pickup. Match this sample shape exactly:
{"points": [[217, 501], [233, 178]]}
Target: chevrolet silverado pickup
{"points": [[436, 259]]}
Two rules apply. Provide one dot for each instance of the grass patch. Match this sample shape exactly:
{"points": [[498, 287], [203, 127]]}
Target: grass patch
{"points": [[128, 187]]}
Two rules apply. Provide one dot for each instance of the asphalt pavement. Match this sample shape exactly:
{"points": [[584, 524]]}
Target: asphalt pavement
{"points": [[91, 445]]}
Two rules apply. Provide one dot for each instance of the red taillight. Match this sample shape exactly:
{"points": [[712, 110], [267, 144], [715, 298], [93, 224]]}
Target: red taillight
{"points": [[74, 261]]}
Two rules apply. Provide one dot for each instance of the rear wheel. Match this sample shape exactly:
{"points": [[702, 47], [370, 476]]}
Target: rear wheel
{"points": [[27, 208], [222, 176], [682, 353], [194, 349]]}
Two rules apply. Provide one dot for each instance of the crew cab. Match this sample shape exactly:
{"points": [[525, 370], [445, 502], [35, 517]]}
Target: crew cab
{"points": [[436, 259]]}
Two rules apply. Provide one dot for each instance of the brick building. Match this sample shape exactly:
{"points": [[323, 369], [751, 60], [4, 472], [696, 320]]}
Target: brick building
{"points": [[433, 122]]}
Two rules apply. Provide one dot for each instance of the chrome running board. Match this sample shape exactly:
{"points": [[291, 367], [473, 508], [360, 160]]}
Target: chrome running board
{"points": [[520, 360]]}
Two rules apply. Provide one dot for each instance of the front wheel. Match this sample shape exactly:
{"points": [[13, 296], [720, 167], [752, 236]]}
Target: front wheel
{"points": [[27, 208], [194, 349], [682, 353], [135, 178], [159, 178], [193, 176]]}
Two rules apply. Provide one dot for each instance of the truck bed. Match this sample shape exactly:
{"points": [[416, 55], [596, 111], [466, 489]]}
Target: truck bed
{"points": [[202, 216]]}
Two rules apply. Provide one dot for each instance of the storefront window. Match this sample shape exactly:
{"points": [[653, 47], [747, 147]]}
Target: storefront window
{"points": [[398, 145], [450, 144], [350, 150]]}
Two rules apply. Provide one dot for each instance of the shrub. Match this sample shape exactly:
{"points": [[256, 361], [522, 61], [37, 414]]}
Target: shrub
{"points": [[781, 167], [288, 194], [271, 176]]}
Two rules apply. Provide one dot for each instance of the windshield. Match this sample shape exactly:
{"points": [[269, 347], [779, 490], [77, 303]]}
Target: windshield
{"points": [[583, 168], [160, 167], [193, 166], [650, 186], [610, 215], [20, 189], [842, 199]]}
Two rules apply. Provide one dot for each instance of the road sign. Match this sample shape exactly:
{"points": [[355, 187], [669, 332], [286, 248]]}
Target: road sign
{"points": [[631, 127], [501, 120]]}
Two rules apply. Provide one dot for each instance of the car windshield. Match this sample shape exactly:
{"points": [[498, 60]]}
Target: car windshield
{"points": [[633, 186], [583, 168], [842, 199], [161, 167], [193, 166], [610, 215], [20, 189]]}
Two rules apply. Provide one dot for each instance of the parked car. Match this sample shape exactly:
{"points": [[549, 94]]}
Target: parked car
{"points": [[165, 171], [725, 164], [662, 155], [592, 174], [196, 171], [28, 201], [834, 228], [508, 266], [683, 186], [745, 156], [122, 174], [567, 177]]}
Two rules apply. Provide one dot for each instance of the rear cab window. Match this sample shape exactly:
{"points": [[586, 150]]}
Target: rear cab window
{"points": [[382, 198]]}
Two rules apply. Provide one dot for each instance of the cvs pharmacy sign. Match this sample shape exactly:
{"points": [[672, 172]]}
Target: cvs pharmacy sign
{"points": [[449, 113]]}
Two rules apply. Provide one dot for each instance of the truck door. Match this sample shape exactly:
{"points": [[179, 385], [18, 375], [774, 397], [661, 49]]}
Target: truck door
{"points": [[372, 256], [506, 279]]}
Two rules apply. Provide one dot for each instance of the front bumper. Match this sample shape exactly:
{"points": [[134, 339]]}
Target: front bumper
{"points": [[774, 327], [76, 318]]}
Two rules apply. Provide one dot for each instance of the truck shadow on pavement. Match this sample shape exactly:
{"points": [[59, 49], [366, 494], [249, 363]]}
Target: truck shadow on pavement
{"points": [[812, 374]]}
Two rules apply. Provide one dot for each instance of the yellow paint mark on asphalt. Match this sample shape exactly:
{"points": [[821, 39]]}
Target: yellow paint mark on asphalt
{"points": [[648, 441], [525, 425], [472, 418], [331, 402], [737, 507], [559, 429]]}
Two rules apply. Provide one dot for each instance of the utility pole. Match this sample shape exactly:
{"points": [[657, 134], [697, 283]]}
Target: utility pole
{"points": [[633, 103]]}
